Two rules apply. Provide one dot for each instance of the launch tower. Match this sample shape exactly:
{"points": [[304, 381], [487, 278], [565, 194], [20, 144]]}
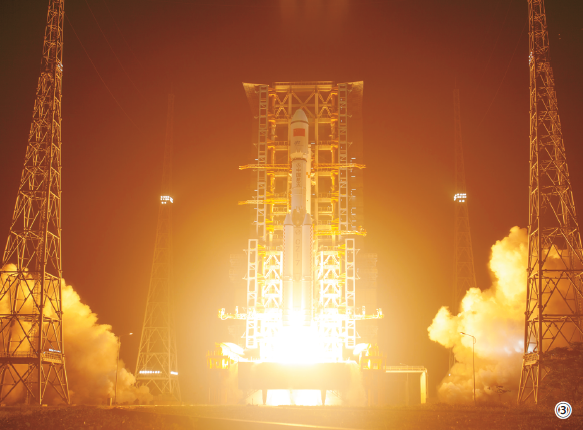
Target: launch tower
{"points": [[32, 356], [464, 274], [297, 285], [157, 365], [555, 256]]}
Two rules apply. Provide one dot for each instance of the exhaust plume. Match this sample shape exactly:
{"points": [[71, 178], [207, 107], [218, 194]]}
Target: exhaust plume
{"points": [[496, 318]]}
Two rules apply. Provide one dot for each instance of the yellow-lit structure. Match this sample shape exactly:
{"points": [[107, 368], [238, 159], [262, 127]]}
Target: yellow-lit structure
{"points": [[307, 211], [334, 204]]}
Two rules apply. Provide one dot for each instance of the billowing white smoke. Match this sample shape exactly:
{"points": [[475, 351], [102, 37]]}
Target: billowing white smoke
{"points": [[91, 355], [91, 351], [496, 318]]}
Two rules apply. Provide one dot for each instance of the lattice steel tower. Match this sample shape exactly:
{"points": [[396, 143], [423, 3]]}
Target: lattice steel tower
{"points": [[555, 258], [157, 365], [464, 275], [32, 354]]}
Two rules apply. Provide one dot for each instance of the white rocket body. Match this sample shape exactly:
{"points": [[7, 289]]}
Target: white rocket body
{"points": [[297, 230]]}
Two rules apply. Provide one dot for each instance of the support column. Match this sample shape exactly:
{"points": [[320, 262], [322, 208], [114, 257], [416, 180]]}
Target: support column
{"points": [[423, 387], [407, 390]]}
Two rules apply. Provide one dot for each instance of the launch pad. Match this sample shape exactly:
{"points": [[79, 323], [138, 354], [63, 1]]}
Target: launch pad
{"points": [[295, 288], [267, 376]]}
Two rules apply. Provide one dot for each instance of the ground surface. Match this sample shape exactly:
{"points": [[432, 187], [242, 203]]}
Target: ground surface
{"points": [[431, 417]]}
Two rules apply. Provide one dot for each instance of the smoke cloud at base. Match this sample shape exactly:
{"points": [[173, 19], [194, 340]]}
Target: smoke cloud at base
{"points": [[91, 351], [91, 356], [496, 318]]}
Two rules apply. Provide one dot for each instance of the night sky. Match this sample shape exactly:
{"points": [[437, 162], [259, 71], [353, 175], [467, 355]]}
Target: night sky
{"points": [[409, 53]]}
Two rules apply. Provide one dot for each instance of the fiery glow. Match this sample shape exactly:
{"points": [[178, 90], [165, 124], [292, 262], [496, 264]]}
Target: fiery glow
{"points": [[304, 346], [301, 277], [295, 397], [297, 344]]}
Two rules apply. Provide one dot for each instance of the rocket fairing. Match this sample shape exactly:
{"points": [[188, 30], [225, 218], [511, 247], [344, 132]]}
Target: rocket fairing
{"points": [[298, 230]]}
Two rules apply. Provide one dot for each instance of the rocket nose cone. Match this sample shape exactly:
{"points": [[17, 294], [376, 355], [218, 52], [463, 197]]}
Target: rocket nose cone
{"points": [[288, 219], [307, 219], [300, 115]]}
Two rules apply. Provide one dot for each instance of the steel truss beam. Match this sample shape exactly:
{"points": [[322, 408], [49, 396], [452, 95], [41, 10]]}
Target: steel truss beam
{"points": [[350, 292], [251, 331], [343, 192], [464, 274], [264, 291], [263, 120], [555, 257], [157, 364], [326, 106], [32, 356]]}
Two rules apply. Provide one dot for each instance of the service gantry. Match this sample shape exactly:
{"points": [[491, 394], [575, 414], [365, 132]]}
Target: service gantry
{"points": [[157, 365], [463, 272], [335, 205], [32, 356], [555, 256]]}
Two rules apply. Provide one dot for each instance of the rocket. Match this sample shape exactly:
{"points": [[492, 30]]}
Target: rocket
{"points": [[298, 230]]}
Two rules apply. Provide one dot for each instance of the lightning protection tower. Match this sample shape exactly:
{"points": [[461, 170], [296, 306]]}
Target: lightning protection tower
{"points": [[555, 258], [464, 275], [32, 356], [157, 366]]}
